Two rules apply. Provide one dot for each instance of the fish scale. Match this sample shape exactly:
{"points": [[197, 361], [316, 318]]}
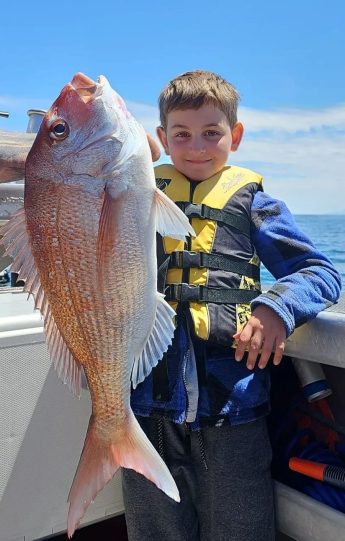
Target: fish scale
{"points": [[58, 261]]}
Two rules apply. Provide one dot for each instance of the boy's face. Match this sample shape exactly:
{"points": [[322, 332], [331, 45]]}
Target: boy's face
{"points": [[199, 141]]}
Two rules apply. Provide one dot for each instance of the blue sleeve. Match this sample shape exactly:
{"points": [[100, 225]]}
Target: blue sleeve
{"points": [[307, 281]]}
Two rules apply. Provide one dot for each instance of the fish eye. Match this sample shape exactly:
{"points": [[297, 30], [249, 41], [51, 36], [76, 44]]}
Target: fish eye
{"points": [[59, 130]]}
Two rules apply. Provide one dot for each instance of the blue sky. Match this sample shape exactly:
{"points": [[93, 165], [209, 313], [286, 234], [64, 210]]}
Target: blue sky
{"points": [[285, 58]]}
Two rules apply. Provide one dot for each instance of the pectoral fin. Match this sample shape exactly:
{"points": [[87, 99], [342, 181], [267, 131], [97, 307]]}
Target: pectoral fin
{"points": [[170, 220], [108, 231], [156, 343]]}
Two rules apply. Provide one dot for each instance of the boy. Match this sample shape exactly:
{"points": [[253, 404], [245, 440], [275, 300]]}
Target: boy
{"points": [[204, 405]]}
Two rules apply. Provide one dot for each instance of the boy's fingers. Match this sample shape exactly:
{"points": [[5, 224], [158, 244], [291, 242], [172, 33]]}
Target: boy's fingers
{"points": [[240, 349], [265, 354], [243, 339], [254, 350], [251, 360], [279, 352]]}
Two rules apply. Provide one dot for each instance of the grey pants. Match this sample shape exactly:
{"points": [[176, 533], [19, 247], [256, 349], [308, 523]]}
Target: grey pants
{"points": [[223, 475]]}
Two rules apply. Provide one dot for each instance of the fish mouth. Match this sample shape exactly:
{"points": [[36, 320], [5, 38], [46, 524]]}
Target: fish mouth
{"points": [[87, 88]]}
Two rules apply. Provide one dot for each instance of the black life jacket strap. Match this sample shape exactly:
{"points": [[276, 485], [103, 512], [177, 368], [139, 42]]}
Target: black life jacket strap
{"points": [[162, 275], [185, 260], [163, 264], [219, 295], [205, 212]]}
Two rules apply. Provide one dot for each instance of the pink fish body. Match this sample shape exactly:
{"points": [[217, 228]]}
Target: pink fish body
{"points": [[85, 246]]}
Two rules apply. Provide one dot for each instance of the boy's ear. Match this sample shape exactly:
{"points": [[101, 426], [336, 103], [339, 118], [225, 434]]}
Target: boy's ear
{"points": [[237, 133], [162, 136]]}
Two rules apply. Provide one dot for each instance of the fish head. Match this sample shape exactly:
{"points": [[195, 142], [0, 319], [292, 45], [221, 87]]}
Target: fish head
{"points": [[87, 131]]}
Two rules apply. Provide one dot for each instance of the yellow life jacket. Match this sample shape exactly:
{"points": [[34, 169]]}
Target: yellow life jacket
{"points": [[217, 273]]}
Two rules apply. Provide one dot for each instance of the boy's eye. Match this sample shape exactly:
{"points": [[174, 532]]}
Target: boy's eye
{"points": [[181, 134], [211, 133]]}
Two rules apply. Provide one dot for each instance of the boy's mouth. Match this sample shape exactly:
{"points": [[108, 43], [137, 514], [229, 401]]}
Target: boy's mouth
{"points": [[198, 162]]}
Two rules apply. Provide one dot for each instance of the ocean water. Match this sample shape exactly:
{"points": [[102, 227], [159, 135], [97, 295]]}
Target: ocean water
{"points": [[327, 234]]}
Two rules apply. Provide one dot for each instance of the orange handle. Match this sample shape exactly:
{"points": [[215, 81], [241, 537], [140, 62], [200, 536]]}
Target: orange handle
{"points": [[307, 467]]}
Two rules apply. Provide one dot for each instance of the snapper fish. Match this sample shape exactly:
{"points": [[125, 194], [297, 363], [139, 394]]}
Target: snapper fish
{"points": [[91, 208]]}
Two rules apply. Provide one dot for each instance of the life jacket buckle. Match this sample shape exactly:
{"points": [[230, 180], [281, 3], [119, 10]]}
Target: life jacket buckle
{"points": [[193, 210], [184, 292], [175, 291], [185, 259], [176, 260], [204, 211]]}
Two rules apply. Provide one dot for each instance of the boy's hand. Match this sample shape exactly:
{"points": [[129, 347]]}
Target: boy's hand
{"points": [[264, 331], [155, 150]]}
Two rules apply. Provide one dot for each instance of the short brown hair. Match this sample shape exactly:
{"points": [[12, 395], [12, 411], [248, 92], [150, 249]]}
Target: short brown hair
{"points": [[193, 89]]}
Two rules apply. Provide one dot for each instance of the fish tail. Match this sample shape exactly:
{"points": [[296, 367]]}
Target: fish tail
{"points": [[100, 460]]}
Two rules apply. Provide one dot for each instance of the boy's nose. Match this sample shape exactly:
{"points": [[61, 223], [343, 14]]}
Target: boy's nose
{"points": [[197, 145]]}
